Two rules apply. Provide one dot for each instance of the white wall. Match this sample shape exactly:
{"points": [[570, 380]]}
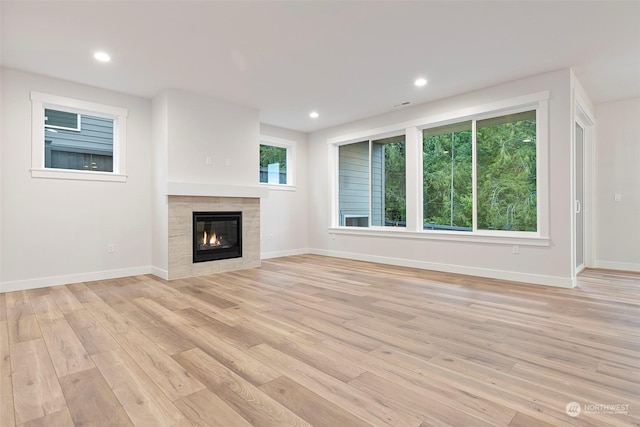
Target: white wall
{"points": [[160, 170], [617, 162], [545, 265], [284, 214], [56, 231], [200, 126], [188, 128]]}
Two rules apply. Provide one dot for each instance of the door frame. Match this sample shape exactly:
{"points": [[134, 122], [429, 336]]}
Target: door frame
{"points": [[586, 120]]}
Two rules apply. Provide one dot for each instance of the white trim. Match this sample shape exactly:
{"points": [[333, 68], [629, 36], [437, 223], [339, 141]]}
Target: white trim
{"points": [[79, 106], [42, 282], [505, 238], [77, 174], [334, 179], [370, 217], [621, 266], [279, 254], [582, 114], [525, 278], [40, 101], [278, 187], [163, 274], [414, 187], [214, 190], [542, 167], [290, 146], [444, 118]]}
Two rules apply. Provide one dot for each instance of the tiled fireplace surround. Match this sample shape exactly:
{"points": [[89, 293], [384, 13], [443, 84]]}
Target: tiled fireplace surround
{"points": [[181, 210]]}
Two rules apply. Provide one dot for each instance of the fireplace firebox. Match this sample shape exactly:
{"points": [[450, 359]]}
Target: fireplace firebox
{"points": [[216, 236]]}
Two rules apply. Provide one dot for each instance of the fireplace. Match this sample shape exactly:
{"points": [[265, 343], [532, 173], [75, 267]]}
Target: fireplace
{"points": [[216, 236]]}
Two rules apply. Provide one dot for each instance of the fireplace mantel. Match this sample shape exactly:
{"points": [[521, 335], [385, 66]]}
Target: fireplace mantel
{"points": [[215, 190]]}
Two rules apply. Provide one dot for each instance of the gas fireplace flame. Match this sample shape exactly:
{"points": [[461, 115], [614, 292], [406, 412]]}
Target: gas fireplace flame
{"points": [[211, 240]]}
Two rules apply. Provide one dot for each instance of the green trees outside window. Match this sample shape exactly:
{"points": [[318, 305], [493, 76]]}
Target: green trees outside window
{"points": [[389, 182], [505, 184], [506, 172], [447, 170], [273, 164]]}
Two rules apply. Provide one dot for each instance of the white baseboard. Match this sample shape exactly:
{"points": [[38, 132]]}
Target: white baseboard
{"points": [[163, 274], [43, 282], [563, 282], [278, 254], [537, 279], [614, 265]]}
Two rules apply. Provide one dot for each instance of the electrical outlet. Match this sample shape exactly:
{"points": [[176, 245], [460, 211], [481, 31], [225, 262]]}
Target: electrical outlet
{"points": [[617, 197], [515, 249], [208, 160], [111, 248]]}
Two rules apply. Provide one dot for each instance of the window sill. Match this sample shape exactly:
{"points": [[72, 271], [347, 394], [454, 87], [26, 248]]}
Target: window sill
{"points": [[78, 175], [452, 236], [279, 187]]}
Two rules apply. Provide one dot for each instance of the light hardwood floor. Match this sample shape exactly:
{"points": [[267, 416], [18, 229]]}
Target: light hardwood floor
{"points": [[311, 340]]}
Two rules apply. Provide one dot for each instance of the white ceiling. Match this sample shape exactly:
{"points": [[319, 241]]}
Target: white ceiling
{"points": [[345, 59]]}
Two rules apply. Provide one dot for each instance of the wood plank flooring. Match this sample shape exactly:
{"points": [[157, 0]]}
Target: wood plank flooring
{"points": [[318, 341]]}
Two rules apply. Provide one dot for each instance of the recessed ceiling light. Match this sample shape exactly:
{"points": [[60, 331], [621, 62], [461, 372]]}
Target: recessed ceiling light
{"points": [[420, 82], [102, 56], [314, 114]]}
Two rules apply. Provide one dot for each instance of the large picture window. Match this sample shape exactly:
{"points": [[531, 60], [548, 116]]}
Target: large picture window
{"points": [[478, 176]]}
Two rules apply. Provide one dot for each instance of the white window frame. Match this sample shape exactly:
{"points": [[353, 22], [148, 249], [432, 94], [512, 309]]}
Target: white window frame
{"points": [[413, 131], [290, 146], [40, 101]]}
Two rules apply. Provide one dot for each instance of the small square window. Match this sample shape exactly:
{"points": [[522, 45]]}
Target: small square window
{"points": [[273, 164], [75, 139], [276, 161]]}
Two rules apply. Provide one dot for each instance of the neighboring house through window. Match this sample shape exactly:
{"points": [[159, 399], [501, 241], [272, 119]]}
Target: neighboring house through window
{"points": [[75, 139], [372, 183]]}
